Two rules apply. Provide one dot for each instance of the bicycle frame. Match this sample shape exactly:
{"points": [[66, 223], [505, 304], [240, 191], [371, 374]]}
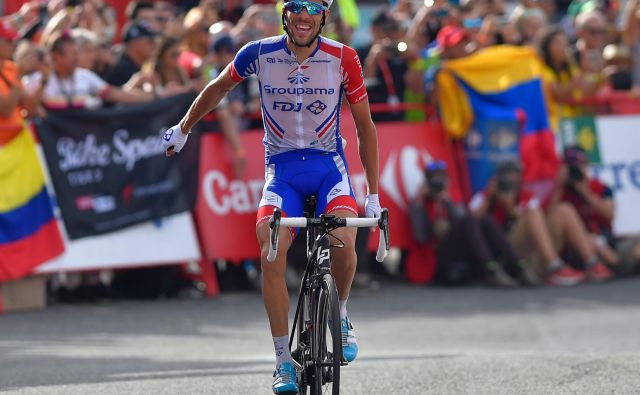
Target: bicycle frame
{"points": [[318, 293]]}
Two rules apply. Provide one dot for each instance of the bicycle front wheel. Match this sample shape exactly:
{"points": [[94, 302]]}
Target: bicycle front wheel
{"points": [[327, 344]]}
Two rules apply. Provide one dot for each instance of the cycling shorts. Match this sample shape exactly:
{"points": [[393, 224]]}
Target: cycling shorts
{"points": [[293, 176]]}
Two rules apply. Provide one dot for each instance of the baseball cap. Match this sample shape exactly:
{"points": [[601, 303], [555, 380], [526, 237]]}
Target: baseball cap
{"points": [[450, 36], [8, 33], [436, 165], [137, 30]]}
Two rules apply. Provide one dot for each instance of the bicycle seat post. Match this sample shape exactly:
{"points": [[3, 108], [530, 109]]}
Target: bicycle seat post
{"points": [[310, 212]]}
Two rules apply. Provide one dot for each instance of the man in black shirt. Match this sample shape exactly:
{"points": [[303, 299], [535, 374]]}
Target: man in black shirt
{"points": [[384, 65], [139, 46]]}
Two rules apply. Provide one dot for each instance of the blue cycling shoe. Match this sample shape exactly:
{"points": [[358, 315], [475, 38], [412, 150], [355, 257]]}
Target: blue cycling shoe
{"points": [[285, 382], [349, 342]]}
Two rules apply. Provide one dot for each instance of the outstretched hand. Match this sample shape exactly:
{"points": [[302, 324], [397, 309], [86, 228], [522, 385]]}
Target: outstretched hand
{"points": [[173, 140]]}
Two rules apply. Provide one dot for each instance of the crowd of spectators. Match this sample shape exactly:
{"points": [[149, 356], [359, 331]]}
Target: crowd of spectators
{"points": [[63, 54]]}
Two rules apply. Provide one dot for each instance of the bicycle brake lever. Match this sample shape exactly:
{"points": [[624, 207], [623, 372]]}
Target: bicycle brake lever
{"points": [[383, 244]]}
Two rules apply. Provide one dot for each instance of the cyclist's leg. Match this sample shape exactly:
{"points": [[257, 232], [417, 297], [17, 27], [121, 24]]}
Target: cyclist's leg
{"points": [[336, 197], [276, 193], [274, 288]]}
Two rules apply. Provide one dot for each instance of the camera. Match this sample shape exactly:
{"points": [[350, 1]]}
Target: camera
{"points": [[575, 173], [506, 185], [436, 184]]}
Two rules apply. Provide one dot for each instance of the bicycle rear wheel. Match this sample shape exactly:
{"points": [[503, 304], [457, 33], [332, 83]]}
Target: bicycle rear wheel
{"points": [[327, 344]]}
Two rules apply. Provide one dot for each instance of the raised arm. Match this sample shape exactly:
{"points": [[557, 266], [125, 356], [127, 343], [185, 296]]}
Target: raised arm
{"points": [[208, 99]]}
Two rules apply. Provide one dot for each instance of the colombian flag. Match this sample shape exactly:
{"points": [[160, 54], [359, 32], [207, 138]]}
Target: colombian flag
{"points": [[29, 234], [501, 83]]}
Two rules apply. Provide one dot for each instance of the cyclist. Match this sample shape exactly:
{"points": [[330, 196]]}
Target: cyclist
{"points": [[302, 79]]}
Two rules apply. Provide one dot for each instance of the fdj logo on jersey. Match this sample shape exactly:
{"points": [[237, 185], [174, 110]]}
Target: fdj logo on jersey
{"points": [[286, 106]]}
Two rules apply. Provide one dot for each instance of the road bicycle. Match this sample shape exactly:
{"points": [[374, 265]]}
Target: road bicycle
{"points": [[316, 325]]}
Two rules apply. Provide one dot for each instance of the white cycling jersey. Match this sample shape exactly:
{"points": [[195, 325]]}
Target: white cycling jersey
{"points": [[301, 102]]}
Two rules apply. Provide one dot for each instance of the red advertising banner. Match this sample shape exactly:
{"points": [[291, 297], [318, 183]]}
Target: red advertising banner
{"points": [[226, 207]]}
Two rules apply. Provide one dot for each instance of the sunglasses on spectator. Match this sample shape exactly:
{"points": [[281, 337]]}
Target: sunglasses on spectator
{"points": [[312, 8]]}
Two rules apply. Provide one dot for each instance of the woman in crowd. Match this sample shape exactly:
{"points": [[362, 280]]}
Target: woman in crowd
{"points": [[564, 82], [163, 69], [195, 42]]}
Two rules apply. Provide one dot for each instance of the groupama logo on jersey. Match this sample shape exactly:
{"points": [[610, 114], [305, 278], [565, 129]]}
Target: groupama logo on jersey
{"points": [[298, 77]]}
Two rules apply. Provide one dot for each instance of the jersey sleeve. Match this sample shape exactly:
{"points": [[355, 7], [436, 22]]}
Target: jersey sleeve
{"points": [[352, 77], [246, 61]]}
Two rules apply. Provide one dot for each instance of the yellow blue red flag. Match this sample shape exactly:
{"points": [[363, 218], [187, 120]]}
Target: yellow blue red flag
{"points": [[29, 234], [500, 83]]}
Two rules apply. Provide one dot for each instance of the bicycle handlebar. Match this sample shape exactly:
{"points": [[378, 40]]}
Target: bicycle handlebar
{"points": [[330, 222]]}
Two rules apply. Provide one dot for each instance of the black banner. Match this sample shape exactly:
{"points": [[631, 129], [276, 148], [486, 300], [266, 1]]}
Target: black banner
{"points": [[109, 170]]}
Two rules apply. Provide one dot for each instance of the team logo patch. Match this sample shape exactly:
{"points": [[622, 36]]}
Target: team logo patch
{"points": [[317, 107], [299, 78], [167, 134]]}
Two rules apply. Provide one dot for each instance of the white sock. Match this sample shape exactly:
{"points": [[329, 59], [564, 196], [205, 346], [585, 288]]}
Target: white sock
{"points": [[281, 345], [343, 309]]}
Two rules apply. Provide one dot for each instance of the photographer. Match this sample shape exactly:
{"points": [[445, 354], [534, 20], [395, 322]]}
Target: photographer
{"points": [[539, 232], [592, 200], [467, 250], [385, 65]]}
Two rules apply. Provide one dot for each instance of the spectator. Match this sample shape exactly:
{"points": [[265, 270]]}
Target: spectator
{"points": [[428, 22], [231, 10], [564, 82], [208, 11], [32, 60], [223, 50], [591, 29], [195, 43], [529, 22], [631, 35], [139, 46], [98, 17], [454, 42], [258, 21], [105, 59], [163, 72], [142, 11], [28, 57], [169, 24], [385, 65], [462, 245], [538, 236], [592, 200], [618, 70], [13, 98], [229, 113], [87, 43], [70, 86]]}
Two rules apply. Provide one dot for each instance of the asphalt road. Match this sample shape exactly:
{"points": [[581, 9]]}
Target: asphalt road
{"points": [[414, 340]]}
